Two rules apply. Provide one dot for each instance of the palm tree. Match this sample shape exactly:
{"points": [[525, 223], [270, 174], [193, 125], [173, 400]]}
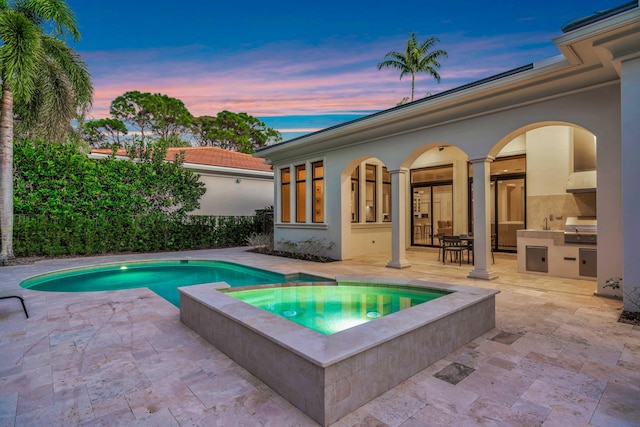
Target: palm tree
{"points": [[44, 79], [416, 59]]}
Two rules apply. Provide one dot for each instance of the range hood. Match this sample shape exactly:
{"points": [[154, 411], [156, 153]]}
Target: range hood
{"points": [[582, 182]]}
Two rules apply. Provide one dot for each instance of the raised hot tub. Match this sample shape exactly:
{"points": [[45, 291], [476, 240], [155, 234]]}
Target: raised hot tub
{"points": [[329, 376]]}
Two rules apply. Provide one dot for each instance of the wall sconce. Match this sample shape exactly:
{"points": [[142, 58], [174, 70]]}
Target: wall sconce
{"points": [[238, 180]]}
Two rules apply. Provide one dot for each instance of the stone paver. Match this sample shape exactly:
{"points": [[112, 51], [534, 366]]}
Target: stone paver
{"points": [[557, 356]]}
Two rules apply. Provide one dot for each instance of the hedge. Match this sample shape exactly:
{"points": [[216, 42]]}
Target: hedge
{"points": [[74, 234]]}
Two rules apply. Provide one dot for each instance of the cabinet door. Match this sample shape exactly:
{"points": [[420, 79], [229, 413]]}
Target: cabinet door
{"points": [[537, 259], [588, 262]]}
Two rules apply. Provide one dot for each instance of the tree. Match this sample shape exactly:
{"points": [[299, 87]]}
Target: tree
{"points": [[45, 84], [416, 59], [103, 133], [169, 116], [131, 108], [159, 114], [233, 131]]}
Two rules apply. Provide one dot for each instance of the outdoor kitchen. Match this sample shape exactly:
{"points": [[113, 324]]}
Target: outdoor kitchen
{"points": [[571, 252], [561, 235]]}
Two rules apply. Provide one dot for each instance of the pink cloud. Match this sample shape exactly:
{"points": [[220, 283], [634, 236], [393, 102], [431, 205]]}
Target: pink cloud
{"points": [[287, 79]]}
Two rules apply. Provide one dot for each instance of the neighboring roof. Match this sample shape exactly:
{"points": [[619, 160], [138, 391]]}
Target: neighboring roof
{"points": [[598, 16], [210, 156]]}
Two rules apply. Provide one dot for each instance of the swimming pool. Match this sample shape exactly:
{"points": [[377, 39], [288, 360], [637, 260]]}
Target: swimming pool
{"points": [[162, 277], [333, 308]]}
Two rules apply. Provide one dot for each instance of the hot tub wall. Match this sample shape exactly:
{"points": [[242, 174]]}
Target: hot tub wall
{"points": [[295, 378], [327, 391], [355, 381]]}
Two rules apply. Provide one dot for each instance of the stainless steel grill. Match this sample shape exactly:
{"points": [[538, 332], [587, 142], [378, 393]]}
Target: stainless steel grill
{"points": [[581, 229]]}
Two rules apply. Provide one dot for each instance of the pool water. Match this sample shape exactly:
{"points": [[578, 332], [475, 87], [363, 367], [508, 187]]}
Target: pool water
{"points": [[331, 309], [162, 277]]}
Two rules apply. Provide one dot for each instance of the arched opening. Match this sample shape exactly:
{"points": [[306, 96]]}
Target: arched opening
{"points": [[438, 185], [369, 207], [533, 180]]}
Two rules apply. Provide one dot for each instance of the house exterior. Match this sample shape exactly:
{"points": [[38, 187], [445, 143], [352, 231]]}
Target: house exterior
{"points": [[237, 184], [391, 180]]}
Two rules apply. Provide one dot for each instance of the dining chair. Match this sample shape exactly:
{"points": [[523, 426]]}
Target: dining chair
{"points": [[453, 245], [440, 246], [467, 244]]}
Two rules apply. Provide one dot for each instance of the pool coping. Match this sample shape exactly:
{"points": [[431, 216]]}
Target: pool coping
{"points": [[327, 376]]}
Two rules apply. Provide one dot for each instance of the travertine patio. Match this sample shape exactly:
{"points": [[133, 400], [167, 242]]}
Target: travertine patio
{"points": [[557, 357]]}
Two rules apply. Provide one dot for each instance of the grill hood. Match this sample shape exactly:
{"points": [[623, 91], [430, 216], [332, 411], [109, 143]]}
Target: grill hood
{"points": [[582, 182]]}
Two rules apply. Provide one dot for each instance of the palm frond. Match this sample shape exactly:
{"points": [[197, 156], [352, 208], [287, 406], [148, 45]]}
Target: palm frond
{"points": [[58, 14], [74, 68], [20, 53], [52, 107], [58, 106]]}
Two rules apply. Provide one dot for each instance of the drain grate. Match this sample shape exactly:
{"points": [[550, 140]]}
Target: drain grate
{"points": [[454, 373]]}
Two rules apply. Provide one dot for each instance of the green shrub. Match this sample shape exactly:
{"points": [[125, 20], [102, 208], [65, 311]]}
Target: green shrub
{"points": [[43, 235]]}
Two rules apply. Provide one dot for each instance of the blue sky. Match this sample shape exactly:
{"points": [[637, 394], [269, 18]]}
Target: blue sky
{"points": [[303, 66]]}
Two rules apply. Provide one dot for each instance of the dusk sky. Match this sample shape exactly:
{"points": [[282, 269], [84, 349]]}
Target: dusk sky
{"points": [[303, 66]]}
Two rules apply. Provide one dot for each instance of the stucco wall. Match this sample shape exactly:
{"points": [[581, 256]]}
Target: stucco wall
{"points": [[226, 196], [549, 163]]}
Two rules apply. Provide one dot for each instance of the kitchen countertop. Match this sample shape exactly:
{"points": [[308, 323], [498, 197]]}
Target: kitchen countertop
{"points": [[556, 235]]}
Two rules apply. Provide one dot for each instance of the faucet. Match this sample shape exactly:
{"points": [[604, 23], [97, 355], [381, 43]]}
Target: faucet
{"points": [[546, 224]]}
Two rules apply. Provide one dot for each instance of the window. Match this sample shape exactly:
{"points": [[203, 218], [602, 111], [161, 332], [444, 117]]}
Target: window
{"points": [[301, 194], [370, 193], [386, 195], [285, 195], [355, 195], [318, 191]]}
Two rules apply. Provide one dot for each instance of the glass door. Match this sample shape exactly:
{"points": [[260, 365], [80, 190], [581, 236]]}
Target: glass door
{"points": [[432, 212]]}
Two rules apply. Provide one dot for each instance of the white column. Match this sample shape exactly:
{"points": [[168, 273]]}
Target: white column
{"points": [[482, 220], [630, 113], [398, 219]]}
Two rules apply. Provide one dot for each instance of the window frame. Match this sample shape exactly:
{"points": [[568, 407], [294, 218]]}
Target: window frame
{"points": [[317, 202], [285, 188], [355, 195], [374, 207], [301, 184]]}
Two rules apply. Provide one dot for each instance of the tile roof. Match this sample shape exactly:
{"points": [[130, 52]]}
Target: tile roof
{"points": [[210, 156]]}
